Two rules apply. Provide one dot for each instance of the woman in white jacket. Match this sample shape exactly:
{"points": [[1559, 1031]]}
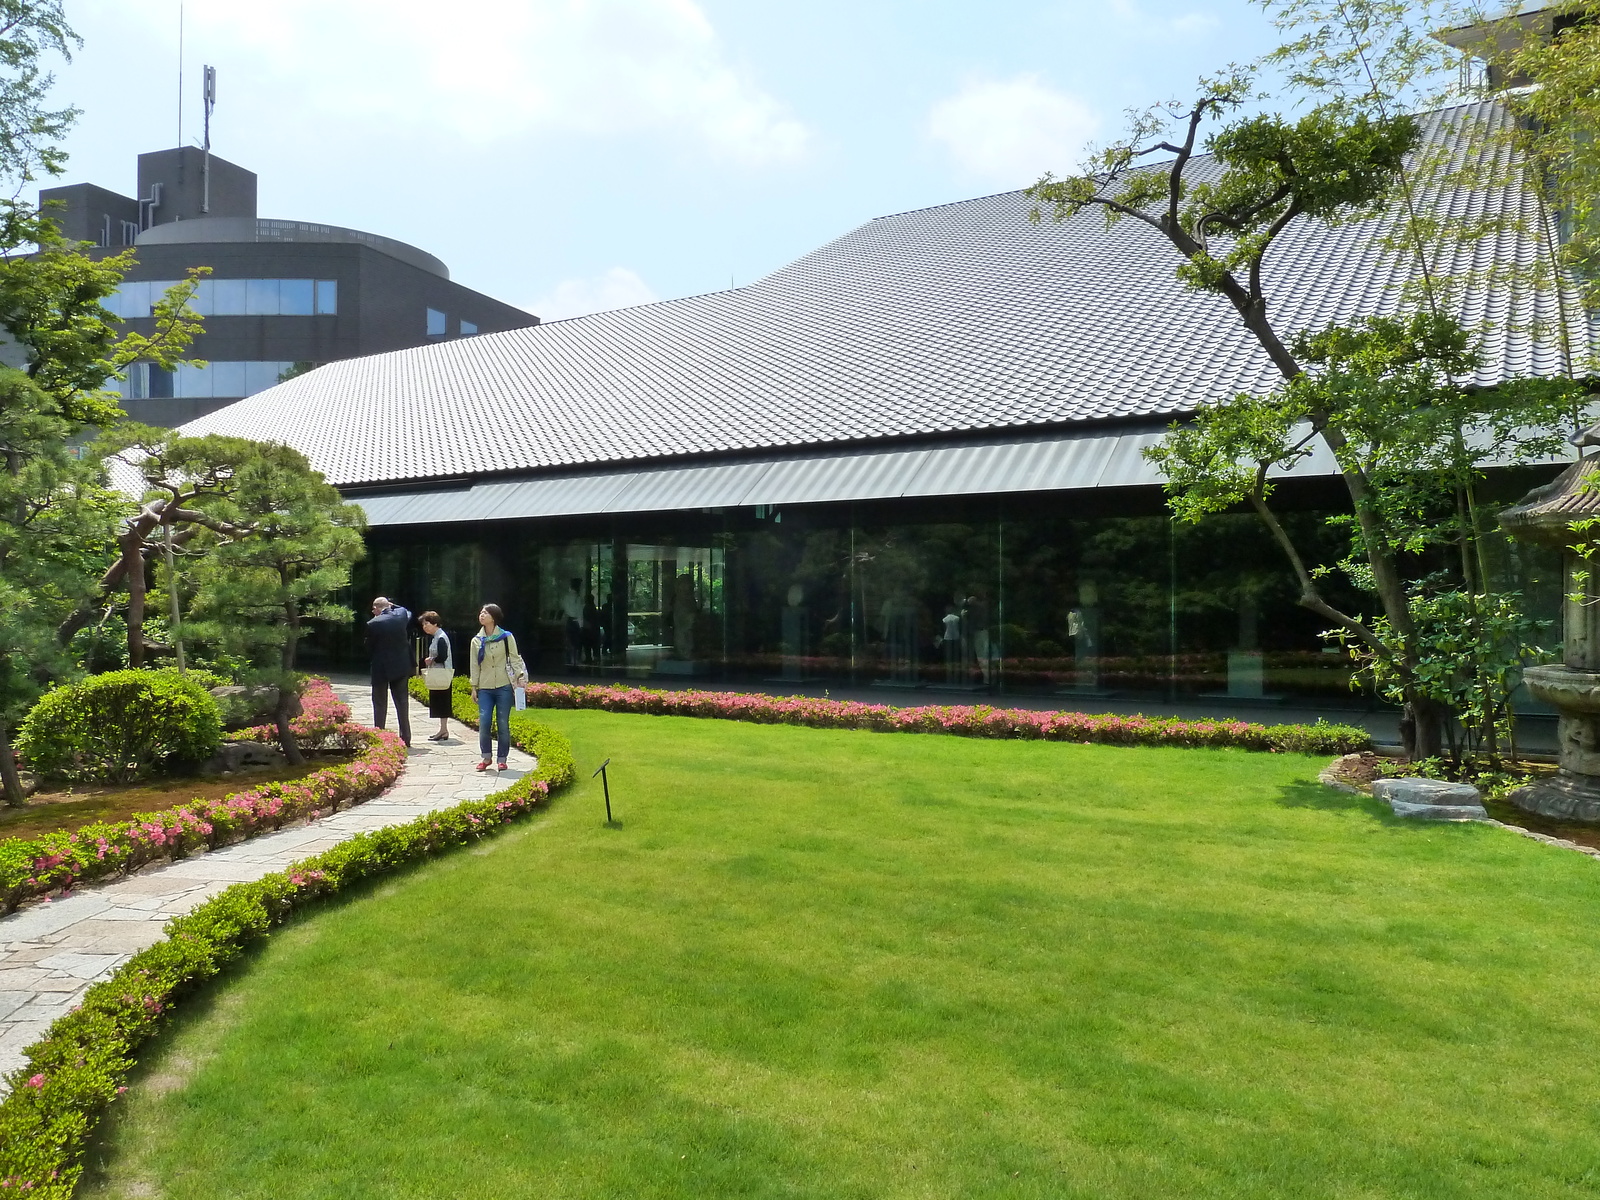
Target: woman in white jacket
{"points": [[495, 668]]}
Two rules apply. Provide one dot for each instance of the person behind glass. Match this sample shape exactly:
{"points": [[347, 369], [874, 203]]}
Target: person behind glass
{"points": [[495, 668], [389, 640], [438, 655]]}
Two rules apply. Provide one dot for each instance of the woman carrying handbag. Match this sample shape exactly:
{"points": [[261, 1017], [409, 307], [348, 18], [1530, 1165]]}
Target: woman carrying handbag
{"points": [[497, 672], [438, 672]]}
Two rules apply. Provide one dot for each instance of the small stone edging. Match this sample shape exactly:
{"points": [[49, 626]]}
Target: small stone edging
{"points": [[1327, 777]]}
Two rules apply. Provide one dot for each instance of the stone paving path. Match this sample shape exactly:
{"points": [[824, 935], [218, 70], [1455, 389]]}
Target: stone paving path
{"points": [[51, 953]]}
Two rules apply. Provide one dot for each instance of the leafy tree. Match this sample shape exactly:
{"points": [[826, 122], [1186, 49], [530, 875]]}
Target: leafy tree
{"points": [[255, 594], [1381, 395], [1558, 49], [56, 512]]}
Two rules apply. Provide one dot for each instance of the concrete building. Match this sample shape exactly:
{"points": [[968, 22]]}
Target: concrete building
{"points": [[282, 296]]}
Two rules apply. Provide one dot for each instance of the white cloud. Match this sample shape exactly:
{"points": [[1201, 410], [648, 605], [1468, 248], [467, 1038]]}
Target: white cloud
{"points": [[1007, 133], [616, 288], [586, 68], [1189, 24]]}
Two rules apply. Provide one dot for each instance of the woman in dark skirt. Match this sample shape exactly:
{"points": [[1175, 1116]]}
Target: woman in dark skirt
{"points": [[438, 655]]}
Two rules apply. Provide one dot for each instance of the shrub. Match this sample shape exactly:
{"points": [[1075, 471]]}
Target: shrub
{"points": [[979, 720], [120, 726], [321, 725]]}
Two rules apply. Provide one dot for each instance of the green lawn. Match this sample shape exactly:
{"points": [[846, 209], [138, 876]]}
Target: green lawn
{"points": [[839, 965]]}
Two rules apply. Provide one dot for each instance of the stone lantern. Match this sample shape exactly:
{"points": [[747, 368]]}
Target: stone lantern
{"points": [[1544, 516]]}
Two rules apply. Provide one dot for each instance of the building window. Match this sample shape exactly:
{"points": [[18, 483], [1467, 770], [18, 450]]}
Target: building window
{"points": [[437, 322], [233, 297], [468, 329], [217, 380]]}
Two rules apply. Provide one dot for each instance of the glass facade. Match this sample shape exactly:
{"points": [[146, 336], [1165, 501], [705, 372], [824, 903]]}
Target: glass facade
{"points": [[216, 380], [1071, 595], [438, 323], [233, 297]]}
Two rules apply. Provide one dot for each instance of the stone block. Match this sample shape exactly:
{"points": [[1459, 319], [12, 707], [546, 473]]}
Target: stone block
{"points": [[1431, 799]]}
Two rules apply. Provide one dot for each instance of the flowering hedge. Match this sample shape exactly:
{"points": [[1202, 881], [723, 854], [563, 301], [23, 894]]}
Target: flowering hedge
{"points": [[323, 723], [31, 867], [966, 720], [78, 1069]]}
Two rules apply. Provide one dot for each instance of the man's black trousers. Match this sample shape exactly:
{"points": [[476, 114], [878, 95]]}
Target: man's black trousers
{"points": [[382, 689]]}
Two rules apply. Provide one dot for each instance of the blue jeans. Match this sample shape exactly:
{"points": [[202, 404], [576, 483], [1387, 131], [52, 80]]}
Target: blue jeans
{"points": [[497, 701]]}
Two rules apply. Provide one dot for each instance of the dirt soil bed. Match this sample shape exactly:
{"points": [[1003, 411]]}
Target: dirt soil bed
{"points": [[85, 804]]}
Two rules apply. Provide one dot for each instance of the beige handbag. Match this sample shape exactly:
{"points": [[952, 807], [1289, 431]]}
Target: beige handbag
{"points": [[438, 679]]}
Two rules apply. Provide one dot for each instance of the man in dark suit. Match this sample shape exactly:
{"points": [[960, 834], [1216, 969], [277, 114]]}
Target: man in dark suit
{"points": [[389, 640]]}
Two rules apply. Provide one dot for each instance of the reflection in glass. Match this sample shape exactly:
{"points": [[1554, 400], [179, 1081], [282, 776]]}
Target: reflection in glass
{"points": [[231, 297], [217, 380], [261, 297], [437, 322], [228, 297], [468, 329], [295, 297]]}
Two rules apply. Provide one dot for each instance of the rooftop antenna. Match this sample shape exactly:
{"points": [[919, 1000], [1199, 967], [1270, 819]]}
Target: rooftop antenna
{"points": [[210, 92], [180, 73]]}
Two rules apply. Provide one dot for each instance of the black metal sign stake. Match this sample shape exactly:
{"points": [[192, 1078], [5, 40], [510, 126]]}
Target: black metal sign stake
{"points": [[606, 784]]}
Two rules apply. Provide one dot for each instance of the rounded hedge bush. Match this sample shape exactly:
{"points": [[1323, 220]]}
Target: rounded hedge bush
{"points": [[120, 726]]}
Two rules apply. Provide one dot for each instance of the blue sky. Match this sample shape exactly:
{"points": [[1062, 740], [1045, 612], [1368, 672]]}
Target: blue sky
{"points": [[569, 155]]}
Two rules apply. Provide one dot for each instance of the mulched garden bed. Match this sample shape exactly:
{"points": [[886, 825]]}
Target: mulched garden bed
{"points": [[71, 808]]}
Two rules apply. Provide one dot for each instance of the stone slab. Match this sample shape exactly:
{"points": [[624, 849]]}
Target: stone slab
{"points": [[1440, 812], [1427, 791]]}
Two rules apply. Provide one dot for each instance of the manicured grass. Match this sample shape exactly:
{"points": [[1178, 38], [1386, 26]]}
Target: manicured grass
{"points": [[839, 965]]}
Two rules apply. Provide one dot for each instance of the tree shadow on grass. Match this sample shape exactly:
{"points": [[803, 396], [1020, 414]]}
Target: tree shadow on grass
{"points": [[1311, 794]]}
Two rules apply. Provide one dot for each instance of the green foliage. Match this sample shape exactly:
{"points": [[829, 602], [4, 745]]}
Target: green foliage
{"points": [[1559, 120], [255, 593], [120, 726], [30, 31], [1469, 653]]}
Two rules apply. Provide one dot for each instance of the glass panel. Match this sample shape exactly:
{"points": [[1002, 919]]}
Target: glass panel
{"points": [[227, 379], [675, 599], [261, 297], [259, 376], [203, 297], [468, 329], [228, 297], [327, 296], [133, 300], [160, 382], [436, 323], [295, 297]]}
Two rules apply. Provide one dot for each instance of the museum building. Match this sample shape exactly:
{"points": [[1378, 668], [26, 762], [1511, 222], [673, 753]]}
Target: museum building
{"points": [[911, 459]]}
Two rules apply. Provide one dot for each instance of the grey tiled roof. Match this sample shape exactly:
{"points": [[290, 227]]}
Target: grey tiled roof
{"points": [[961, 318]]}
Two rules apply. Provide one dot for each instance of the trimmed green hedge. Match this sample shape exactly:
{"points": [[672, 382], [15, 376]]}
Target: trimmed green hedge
{"points": [[78, 1069]]}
